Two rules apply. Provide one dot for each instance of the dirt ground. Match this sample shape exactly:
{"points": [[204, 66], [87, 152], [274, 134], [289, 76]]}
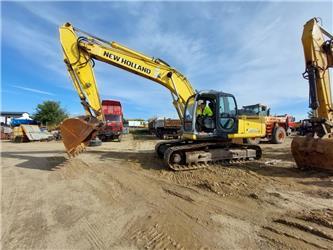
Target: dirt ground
{"points": [[120, 196]]}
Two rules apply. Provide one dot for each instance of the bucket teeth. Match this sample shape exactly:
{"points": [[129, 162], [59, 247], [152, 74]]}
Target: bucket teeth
{"points": [[76, 151]]}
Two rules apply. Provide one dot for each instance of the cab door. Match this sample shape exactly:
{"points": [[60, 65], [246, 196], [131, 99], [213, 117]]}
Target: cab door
{"points": [[227, 122], [189, 114]]}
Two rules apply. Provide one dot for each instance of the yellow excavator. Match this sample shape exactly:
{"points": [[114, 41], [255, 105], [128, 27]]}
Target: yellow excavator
{"points": [[205, 138], [316, 149]]}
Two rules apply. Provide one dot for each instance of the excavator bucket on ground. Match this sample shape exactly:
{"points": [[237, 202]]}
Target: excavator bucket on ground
{"points": [[77, 132], [315, 153]]}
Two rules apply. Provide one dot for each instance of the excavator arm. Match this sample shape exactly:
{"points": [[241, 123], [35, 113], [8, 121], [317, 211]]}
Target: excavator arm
{"points": [[318, 54], [316, 149], [80, 48]]}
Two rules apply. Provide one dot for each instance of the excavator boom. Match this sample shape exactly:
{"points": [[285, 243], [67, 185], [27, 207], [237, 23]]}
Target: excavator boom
{"points": [[79, 49], [316, 149]]}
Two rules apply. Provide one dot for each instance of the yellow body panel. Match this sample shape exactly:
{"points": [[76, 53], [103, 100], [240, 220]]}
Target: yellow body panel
{"points": [[189, 136], [250, 127]]}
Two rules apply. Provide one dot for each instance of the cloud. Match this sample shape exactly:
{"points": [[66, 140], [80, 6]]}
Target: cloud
{"points": [[35, 45], [48, 12], [176, 46], [33, 90]]}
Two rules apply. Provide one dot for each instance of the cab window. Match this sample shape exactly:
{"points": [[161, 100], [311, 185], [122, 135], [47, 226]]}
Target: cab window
{"points": [[228, 111], [189, 111], [227, 106]]}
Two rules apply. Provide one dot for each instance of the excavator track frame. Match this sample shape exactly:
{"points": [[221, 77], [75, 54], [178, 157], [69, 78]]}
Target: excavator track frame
{"points": [[195, 155]]}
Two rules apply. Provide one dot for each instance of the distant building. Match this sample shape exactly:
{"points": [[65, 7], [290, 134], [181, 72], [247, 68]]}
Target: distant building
{"points": [[6, 117]]}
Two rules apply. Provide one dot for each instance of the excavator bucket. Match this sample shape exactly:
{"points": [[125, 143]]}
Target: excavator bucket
{"points": [[77, 132], [316, 153]]}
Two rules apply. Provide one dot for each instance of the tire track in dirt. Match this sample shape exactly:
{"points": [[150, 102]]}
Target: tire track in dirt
{"points": [[154, 238], [26, 222], [92, 234], [294, 229]]}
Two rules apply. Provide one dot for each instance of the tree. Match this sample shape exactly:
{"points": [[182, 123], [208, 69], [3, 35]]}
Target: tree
{"points": [[50, 113]]}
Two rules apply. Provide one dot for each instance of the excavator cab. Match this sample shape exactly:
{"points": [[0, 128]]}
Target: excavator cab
{"points": [[210, 114]]}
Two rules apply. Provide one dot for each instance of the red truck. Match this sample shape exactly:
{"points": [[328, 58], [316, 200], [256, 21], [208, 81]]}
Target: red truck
{"points": [[113, 121]]}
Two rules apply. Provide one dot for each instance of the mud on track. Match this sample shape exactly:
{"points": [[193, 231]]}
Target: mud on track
{"points": [[120, 195]]}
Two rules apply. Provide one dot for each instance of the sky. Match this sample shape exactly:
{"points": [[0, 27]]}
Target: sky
{"points": [[250, 49]]}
